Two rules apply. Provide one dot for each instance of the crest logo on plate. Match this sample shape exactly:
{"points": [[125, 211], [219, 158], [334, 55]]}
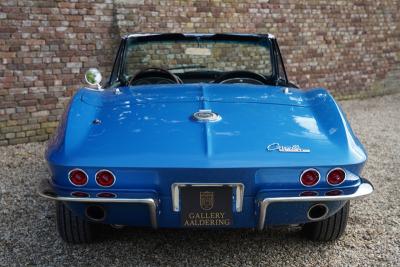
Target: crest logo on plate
{"points": [[206, 200]]}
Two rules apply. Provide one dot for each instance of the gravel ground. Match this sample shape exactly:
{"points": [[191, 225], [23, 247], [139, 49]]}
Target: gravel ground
{"points": [[28, 236]]}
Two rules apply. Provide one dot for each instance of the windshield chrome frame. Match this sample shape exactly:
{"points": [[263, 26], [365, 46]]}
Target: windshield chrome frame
{"points": [[116, 76]]}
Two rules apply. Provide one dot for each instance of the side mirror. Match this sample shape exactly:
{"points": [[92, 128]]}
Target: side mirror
{"points": [[93, 77]]}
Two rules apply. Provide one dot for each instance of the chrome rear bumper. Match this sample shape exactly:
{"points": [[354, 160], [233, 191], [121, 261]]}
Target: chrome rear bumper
{"points": [[363, 190], [46, 191]]}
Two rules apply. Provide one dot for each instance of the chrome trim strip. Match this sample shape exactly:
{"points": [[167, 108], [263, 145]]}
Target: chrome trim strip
{"points": [[48, 193], [77, 169], [334, 169], [102, 170], [363, 190], [175, 189], [310, 169], [271, 36], [140, 35]]}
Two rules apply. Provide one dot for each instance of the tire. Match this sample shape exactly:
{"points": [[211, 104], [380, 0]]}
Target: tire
{"points": [[329, 229], [72, 228]]}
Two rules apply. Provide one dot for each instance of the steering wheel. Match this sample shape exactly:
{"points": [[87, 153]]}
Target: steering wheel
{"points": [[241, 76], [154, 76]]}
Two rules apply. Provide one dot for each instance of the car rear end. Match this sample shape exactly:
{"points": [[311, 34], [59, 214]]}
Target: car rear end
{"points": [[273, 157], [211, 197]]}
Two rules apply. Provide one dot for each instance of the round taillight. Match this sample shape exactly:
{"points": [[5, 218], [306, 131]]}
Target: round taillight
{"points": [[309, 177], [78, 177], [106, 195], [335, 192], [80, 194], [308, 194], [105, 178], [336, 176]]}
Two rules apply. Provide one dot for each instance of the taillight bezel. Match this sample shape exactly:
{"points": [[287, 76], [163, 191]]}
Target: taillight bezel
{"points": [[335, 169], [310, 169], [78, 169], [105, 170]]}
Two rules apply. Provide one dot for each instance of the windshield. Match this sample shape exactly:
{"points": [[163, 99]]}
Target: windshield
{"points": [[180, 56]]}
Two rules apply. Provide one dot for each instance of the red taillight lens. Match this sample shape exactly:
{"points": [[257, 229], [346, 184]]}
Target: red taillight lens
{"points": [[106, 195], [336, 176], [335, 192], [105, 178], [309, 177], [308, 194], [80, 194], [78, 177]]}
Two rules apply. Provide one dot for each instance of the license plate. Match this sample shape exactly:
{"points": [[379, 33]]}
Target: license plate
{"points": [[206, 207]]}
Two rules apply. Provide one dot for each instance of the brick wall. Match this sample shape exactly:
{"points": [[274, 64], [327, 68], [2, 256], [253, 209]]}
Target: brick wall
{"points": [[224, 56], [351, 47]]}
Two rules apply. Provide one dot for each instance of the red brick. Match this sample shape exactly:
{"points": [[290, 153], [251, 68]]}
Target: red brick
{"points": [[46, 45]]}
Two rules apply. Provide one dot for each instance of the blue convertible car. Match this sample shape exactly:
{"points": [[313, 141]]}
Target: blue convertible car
{"points": [[202, 131]]}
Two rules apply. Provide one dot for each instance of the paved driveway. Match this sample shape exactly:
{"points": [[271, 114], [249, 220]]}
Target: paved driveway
{"points": [[28, 236]]}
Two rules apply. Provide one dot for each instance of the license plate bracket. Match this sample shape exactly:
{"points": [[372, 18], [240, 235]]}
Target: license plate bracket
{"points": [[206, 206]]}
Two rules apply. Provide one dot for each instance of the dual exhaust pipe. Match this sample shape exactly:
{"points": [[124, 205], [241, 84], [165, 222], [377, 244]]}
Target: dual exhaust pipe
{"points": [[98, 214], [317, 212], [314, 213], [95, 213]]}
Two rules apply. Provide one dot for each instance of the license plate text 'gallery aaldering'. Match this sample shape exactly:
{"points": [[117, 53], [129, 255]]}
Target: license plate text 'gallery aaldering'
{"points": [[206, 206]]}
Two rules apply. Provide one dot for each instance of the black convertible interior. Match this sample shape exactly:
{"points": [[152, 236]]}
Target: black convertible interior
{"points": [[164, 76]]}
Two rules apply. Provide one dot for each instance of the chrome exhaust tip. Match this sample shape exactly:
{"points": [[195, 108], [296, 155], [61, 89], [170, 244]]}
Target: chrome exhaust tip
{"points": [[117, 226], [317, 212], [95, 213]]}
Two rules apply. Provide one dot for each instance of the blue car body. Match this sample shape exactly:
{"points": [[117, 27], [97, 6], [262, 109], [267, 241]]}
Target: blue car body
{"points": [[147, 137]]}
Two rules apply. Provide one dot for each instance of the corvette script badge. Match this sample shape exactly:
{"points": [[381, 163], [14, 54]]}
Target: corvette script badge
{"points": [[289, 149]]}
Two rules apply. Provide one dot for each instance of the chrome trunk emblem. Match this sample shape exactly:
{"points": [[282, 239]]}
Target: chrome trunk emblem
{"points": [[206, 115], [289, 149]]}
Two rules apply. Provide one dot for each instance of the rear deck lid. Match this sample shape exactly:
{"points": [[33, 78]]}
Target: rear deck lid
{"points": [[228, 93]]}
